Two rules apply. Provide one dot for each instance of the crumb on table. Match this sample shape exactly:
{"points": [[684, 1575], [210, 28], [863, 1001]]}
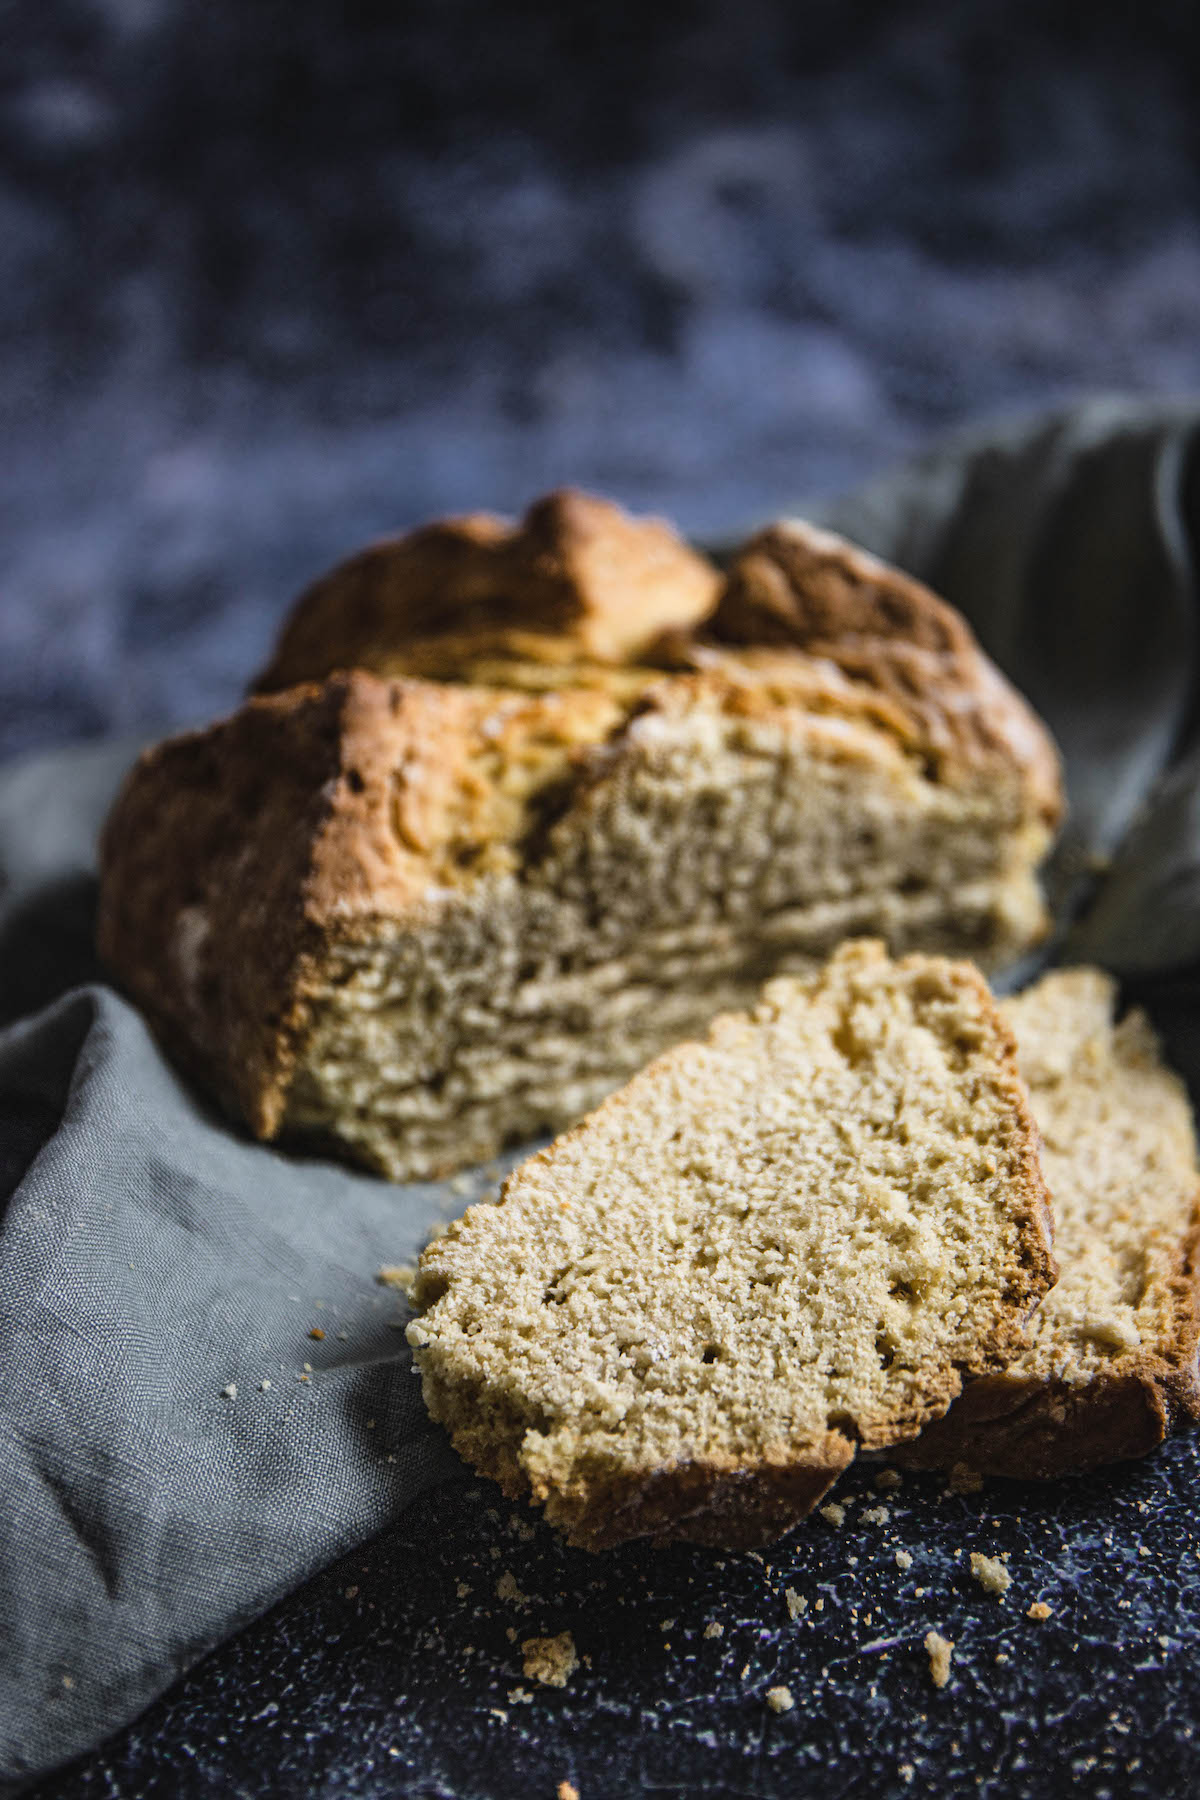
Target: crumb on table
{"points": [[990, 1573], [397, 1275], [779, 1699], [550, 1660], [1039, 1611], [939, 1649]]}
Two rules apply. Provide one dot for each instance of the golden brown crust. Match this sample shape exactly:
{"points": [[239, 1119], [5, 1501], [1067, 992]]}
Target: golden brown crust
{"points": [[208, 849], [730, 1507], [1041, 1430], [577, 579], [233, 854], [797, 586]]}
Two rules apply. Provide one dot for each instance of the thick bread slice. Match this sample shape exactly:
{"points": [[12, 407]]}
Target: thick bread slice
{"points": [[578, 583], [1111, 1366], [790, 1238]]}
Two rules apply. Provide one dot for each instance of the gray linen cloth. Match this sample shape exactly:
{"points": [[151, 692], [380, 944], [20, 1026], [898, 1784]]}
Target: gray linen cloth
{"points": [[168, 1471]]}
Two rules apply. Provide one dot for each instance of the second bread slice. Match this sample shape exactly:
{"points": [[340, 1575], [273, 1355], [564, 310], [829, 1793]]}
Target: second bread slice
{"points": [[786, 1240], [1111, 1364]]}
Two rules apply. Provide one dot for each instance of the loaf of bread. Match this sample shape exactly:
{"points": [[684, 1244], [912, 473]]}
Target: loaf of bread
{"points": [[774, 1245], [577, 794], [1111, 1366]]}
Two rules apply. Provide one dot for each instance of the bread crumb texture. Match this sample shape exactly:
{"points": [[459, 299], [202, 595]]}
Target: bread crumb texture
{"points": [[782, 1241], [566, 1790], [1110, 1362], [990, 1573], [1119, 1155], [1039, 1611], [779, 1699], [550, 1660], [939, 1649]]}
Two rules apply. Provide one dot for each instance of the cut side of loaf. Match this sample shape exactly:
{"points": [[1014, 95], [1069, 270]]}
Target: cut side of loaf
{"points": [[786, 1240], [1111, 1366], [414, 920]]}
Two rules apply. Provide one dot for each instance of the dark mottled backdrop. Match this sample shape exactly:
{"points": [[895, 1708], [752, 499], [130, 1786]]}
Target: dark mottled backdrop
{"points": [[277, 276]]}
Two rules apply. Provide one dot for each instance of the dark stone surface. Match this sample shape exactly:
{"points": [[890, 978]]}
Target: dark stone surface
{"points": [[277, 277], [274, 278], [380, 1679]]}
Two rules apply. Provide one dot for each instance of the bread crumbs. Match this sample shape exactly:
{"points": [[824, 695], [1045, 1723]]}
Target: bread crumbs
{"points": [[463, 1589], [550, 1660], [904, 1561], [1039, 1611], [834, 1513], [507, 1589], [714, 1629], [566, 1790], [939, 1650], [229, 1391], [796, 1603], [990, 1573], [397, 1275], [779, 1699], [874, 1515], [519, 1697]]}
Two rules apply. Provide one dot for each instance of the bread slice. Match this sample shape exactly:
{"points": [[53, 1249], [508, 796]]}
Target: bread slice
{"points": [[786, 1240], [415, 920], [1111, 1366]]}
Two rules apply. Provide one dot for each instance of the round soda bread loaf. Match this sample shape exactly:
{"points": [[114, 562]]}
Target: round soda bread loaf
{"points": [[562, 814], [1111, 1365], [774, 1245]]}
